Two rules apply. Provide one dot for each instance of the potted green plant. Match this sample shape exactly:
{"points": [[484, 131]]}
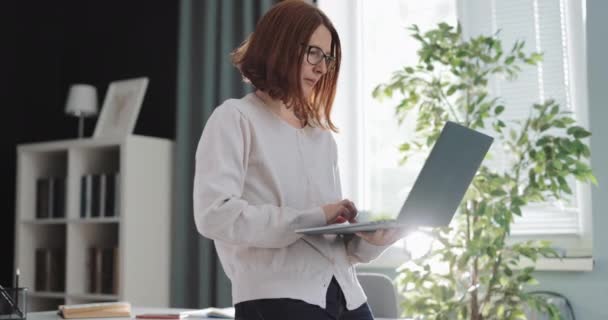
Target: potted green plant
{"points": [[473, 271]]}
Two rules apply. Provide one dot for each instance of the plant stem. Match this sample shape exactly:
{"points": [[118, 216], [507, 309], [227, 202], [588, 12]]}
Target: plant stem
{"points": [[447, 102], [477, 312], [475, 271], [474, 302], [521, 161], [466, 106], [497, 263]]}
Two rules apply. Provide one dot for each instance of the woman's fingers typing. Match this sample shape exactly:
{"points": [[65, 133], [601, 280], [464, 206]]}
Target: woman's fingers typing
{"points": [[340, 212], [351, 213]]}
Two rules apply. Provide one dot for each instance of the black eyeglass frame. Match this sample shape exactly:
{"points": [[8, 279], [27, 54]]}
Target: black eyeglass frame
{"points": [[330, 60]]}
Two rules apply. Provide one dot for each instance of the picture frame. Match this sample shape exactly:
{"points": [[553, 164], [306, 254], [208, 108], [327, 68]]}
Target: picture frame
{"points": [[121, 107]]}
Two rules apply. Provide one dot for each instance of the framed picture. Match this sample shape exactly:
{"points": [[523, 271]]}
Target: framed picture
{"points": [[120, 107]]}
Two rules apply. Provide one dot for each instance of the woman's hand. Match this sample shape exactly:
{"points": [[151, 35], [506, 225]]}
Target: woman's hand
{"points": [[382, 237], [340, 212]]}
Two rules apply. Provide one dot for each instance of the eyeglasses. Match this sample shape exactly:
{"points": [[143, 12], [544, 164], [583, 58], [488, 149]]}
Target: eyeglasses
{"points": [[314, 56]]}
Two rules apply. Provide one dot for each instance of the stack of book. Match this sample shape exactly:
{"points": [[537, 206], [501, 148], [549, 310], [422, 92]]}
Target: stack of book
{"points": [[161, 316], [103, 270], [50, 197], [220, 313], [50, 269], [95, 310], [99, 195]]}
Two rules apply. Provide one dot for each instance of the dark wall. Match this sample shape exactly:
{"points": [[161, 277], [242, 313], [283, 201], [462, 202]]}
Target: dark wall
{"points": [[47, 45]]}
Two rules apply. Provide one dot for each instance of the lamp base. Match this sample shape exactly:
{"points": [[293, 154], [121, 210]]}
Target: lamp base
{"points": [[80, 126]]}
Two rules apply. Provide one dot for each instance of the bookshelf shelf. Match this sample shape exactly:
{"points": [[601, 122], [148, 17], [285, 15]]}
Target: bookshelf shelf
{"points": [[45, 221], [95, 297], [50, 221], [93, 220], [44, 294]]}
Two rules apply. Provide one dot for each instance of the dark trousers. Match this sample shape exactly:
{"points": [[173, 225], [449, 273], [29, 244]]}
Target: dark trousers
{"points": [[290, 309]]}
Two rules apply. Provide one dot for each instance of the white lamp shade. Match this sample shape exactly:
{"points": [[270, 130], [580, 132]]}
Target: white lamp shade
{"points": [[82, 100]]}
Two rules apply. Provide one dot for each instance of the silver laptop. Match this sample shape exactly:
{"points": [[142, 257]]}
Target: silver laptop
{"points": [[439, 188]]}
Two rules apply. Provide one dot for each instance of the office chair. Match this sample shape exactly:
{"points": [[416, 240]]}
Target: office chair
{"points": [[381, 294], [560, 301]]}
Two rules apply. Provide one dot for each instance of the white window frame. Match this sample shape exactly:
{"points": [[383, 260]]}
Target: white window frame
{"points": [[573, 241], [349, 114]]}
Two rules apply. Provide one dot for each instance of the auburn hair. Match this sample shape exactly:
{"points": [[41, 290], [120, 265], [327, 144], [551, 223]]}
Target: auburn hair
{"points": [[271, 58]]}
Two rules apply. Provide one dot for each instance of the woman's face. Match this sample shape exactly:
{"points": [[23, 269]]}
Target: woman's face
{"points": [[316, 60]]}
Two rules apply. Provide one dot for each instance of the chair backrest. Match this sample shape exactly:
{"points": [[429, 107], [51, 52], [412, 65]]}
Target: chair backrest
{"points": [[558, 300], [381, 294]]}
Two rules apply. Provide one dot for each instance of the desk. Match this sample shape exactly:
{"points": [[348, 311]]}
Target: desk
{"points": [[52, 315]]}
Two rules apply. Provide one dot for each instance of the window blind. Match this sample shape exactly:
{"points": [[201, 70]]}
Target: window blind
{"points": [[544, 27]]}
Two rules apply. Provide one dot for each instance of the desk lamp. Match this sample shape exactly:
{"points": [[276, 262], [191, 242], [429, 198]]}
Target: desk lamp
{"points": [[82, 102]]}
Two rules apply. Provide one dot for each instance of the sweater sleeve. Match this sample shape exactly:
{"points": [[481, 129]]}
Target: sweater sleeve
{"points": [[361, 251], [220, 212]]}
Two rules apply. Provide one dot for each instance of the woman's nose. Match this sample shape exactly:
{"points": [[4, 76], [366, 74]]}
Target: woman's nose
{"points": [[321, 67]]}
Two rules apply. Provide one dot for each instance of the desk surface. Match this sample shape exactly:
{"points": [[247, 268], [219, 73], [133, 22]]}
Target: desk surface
{"points": [[52, 315]]}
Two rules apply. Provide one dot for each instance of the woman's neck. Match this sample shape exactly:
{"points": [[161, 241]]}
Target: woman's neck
{"points": [[275, 104], [279, 108]]}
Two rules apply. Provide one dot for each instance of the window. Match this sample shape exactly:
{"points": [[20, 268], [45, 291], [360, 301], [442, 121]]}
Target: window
{"points": [[554, 27], [376, 42]]}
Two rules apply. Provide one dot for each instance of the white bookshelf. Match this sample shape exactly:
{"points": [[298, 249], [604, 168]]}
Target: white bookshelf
{"points": [[140, 231]]}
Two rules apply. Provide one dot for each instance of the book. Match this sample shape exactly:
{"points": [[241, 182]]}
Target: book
{"points": [[220, 313], [95, 310], [107, 270], [57, 185], [91, 270], [83, 196], [116, 274], [103, 177], [95, 264], [55, 270], [102, 270], [40, 283], [116, 199], [95, 194], [110, 187], [160, 316], [86, 187], [43, 205], [49, 269]]}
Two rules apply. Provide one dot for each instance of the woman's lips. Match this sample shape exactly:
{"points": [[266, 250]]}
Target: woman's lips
{"points": [[311, 82]]}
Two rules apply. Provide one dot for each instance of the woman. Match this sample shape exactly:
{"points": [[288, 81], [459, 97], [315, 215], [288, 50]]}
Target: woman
{"points": [[266, 165]]}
